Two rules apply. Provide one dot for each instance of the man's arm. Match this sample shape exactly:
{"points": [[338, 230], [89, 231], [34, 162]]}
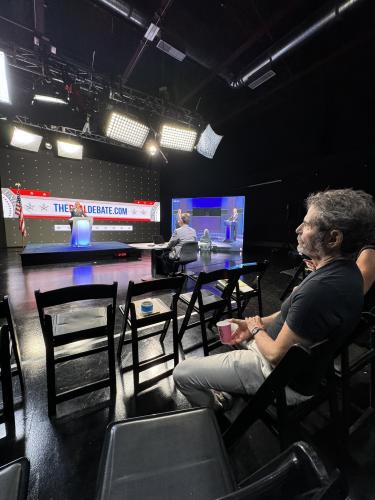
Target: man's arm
{"points": [[275, 350], [267, 320], [272, 350], [366, 264], [174, 240]]}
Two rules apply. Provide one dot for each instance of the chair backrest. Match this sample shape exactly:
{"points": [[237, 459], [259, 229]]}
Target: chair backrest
{"points": [[257, 268], [5, 312], [189, 252], [219, 274], [294, 364], [157, 239], [174, 284], [73, 294], [307, 379]]}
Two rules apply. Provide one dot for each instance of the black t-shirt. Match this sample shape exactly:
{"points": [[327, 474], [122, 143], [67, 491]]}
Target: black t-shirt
{"points": [[328, 302]]}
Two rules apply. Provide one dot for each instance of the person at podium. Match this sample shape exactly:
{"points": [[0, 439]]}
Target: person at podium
{"points": [[232, 224], [76, 211]]}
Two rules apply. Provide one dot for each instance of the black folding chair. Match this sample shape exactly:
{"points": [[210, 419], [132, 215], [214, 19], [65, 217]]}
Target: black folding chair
{"points": [[162, 313], [308, 371], [78, 324], [6, 317], [245, 291], [352, 359], [7, 409], [205, 299], [181, 455], [14, 480]]}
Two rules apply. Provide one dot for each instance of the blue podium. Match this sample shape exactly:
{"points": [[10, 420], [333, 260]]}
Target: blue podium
{"points": [[230, 231], [81, 231]]}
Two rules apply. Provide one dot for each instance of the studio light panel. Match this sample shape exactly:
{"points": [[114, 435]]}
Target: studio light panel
{"points": [[178, 138], [69, 150], [26, 140], [126, 130], [4, 92], [49, 98]]}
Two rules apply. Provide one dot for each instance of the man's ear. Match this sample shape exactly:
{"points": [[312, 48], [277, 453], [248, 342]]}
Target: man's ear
{"points": [[334, 238]]}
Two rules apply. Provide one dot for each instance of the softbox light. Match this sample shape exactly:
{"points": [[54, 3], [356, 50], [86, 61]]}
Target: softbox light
{"points": [[208, 142], [69, 150], [26, 140]]}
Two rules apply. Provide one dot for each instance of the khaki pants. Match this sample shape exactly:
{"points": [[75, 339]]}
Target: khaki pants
{"points": [[237, 372]]}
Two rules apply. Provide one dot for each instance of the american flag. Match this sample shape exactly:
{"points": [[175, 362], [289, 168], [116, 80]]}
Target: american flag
{"points": [[19, 214]]}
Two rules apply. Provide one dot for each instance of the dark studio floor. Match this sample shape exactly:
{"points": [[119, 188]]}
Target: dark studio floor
{"points": [[64, 452]]}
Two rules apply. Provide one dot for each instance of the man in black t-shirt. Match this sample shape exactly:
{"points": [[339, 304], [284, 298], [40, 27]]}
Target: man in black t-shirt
{"points": [[328, 303]]}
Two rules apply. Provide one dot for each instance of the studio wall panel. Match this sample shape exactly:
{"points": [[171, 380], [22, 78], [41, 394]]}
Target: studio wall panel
{"points": [[90, 179]]}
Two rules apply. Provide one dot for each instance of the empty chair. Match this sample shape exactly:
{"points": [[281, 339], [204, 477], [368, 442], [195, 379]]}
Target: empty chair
{"points": [[164, 310], [85, 322], [6, 317], [204, 299], [188, 254], [354, 358], [182, 455], [7, 409], [14, 480], [244, 292]]}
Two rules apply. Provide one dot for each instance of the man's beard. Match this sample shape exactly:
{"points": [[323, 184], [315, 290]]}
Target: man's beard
{"points": [[313, 249]]}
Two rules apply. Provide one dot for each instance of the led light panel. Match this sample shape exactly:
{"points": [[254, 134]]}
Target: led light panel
{"points": [[124, 129], [69, 150], [48, 98], [4, 93], [178, 138], [26, 140]]}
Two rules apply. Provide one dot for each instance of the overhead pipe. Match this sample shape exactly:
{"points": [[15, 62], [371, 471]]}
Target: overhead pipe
{"points": [[125, 9], [331, 15]]}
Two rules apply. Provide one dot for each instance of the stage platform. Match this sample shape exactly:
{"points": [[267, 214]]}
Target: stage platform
{"points": [[53, 253]]}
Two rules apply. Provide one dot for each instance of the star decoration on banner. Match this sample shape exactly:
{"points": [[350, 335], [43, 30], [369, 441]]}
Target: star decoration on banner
{"points": [[29, 207], [43, 207]]}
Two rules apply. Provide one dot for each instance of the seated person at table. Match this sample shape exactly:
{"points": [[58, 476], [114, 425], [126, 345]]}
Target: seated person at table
{"points": [[76, 211], [205, 242], [180, 236], [327, 304]]}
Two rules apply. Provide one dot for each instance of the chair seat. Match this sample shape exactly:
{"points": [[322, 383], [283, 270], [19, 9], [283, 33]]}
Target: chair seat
{"points": [[356, 355], [13, 480], [207, 297], [159, 307], [78, 320], [182, 456]]}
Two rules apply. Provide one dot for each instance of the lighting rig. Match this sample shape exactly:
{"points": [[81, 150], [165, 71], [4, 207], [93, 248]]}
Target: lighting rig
{"points": [[60, 81]]}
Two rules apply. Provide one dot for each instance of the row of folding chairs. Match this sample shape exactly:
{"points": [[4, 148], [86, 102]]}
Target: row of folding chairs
{"points": [[62, 326], [215, 294]]}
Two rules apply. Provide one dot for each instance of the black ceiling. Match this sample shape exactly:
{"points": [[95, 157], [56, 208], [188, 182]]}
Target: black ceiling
{"points": [[220, 37]]}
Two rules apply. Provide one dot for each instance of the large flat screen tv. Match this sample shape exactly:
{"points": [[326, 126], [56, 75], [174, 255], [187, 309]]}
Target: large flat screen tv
{"points": [[221, 218]]}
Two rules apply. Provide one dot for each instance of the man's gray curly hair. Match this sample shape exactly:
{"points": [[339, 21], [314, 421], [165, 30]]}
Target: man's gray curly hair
{"points": [[350, 211]]}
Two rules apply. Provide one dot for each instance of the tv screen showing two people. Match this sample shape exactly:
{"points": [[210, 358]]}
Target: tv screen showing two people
{"points": [[217, 220]]}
